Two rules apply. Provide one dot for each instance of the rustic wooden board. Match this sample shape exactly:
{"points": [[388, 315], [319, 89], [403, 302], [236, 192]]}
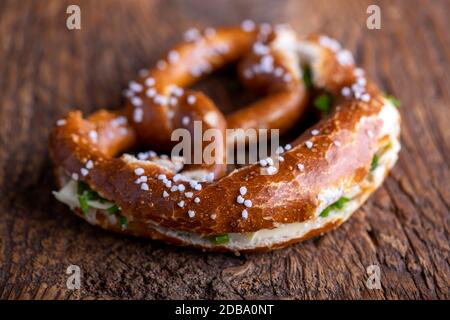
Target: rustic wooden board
{"points": [[46, 70]]}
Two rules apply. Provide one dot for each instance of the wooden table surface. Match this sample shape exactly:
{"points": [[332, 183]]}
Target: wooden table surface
{"points": [[47, 70]]}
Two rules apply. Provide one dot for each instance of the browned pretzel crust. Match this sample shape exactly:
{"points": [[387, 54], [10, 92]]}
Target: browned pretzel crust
{"points": [[334, 154]]}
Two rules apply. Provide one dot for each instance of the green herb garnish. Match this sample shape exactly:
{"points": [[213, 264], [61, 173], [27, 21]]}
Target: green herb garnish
{"points": [[82, 187], [112, 210], [85, 194], [221, 238], [83, 203], [374, 163], [323, 102], [94, 196], [393, 100], [307, 77], [335, 206], [123, 222]]}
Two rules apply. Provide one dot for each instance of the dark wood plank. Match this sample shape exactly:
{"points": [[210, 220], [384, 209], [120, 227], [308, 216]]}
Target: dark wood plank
{"points": [[46, 70]]}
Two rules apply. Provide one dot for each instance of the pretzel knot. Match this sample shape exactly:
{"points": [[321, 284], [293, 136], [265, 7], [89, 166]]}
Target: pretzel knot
{"points": [[320, 179]]}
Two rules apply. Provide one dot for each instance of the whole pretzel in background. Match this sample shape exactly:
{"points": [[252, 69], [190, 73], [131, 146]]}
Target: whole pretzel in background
{"points": [[328, 169]]}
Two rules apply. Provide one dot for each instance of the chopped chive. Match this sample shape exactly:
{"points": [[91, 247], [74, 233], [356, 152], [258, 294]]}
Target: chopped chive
{"points": [[112, 210], [93, 195], [307, 77], [83, 203], [393, 100], [123, 222], [335, 206], [341, 202], [374, 162], [323, 102], [82, 187], [325, 212], [85, 194], [221, 238]]}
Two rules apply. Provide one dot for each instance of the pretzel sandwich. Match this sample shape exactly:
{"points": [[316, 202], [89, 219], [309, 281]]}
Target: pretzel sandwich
{"points": [[322, 177]]}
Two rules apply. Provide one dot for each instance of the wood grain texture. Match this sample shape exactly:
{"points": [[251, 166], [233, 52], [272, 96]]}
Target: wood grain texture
{"points": [[46, 70]]}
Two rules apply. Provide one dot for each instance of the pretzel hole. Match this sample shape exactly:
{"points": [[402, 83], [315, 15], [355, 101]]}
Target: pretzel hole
{"points": [[225, 89], [229, 94]]}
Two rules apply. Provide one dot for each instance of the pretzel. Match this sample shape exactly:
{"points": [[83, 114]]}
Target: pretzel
{"points": [[322, 177]]}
